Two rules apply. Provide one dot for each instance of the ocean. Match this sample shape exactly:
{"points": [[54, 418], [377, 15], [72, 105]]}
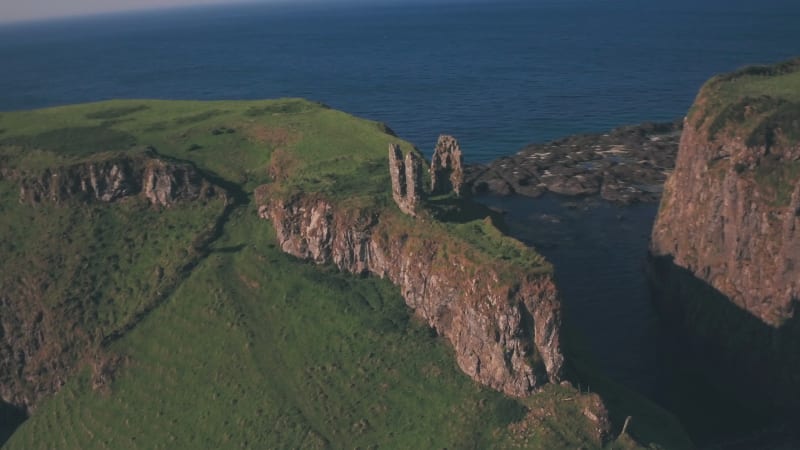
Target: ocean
{"points": [[497, 75]]}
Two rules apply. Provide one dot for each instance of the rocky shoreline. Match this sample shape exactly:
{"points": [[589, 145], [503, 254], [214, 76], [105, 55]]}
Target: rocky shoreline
{"points": [[626, 165]]}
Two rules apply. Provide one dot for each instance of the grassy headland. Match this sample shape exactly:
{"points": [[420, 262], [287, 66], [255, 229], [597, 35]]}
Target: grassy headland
{"points": [[187, 327]]}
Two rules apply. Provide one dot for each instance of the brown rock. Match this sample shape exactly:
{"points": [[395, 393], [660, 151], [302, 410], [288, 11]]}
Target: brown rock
{"points": [[447, 166], [161, 182], [718, 221]]}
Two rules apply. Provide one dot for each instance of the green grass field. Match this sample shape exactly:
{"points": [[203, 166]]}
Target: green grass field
{"points": [[753, 102], [175, 337]]}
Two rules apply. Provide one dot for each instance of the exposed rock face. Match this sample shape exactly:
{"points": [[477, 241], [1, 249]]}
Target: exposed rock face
{"points": [[720, 223], [406, 175], [447, 166], [505, 334], [161, 182], [726, 244]]}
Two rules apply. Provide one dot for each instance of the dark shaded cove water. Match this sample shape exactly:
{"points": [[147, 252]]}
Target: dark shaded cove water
{"points": [[598, 250], [495, 74]]}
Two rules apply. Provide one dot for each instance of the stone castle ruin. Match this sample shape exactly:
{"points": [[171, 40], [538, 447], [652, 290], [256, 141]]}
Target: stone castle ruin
{"points": [[446, 171], [447, 166], [406, 176]]}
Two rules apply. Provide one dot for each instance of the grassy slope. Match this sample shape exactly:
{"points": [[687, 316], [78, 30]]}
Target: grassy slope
{"points": [[761, 106], [753, 101], [254, 348]]}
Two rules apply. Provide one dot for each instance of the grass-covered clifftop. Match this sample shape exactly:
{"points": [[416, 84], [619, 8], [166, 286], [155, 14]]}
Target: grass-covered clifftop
{"points": [[727, 236], [183, 325], [758, 103]]}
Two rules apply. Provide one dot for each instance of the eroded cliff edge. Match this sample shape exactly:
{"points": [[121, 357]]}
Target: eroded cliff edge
{"points": [[503, 319], [726, 242], [62, 302]]}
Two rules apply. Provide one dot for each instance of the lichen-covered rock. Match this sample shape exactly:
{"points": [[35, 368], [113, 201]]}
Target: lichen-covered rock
{"points": [[506, 335], [447, 166]]}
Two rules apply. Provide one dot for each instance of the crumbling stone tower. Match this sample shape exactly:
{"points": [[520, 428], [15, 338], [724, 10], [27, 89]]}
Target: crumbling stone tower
{"points": [[406, 174], [447, 166]]}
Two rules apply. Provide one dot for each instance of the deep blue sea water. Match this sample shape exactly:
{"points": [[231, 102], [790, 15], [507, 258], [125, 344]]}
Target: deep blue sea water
{"points": [[497, 75]]}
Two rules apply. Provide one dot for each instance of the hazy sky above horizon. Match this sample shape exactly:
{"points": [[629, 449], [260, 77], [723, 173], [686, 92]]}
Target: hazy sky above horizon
{"points": [[24, 10]]}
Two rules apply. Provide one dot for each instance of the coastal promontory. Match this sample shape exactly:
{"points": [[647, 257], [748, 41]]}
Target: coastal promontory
{"points": [[726, 242]]}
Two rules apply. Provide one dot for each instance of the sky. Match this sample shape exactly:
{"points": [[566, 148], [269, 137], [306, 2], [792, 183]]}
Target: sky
{"points": [[24, 10]]}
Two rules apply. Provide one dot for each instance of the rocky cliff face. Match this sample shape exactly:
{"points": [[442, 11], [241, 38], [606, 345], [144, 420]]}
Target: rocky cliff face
{"points": [[728, 233], [161, 182], [720, 221], [505, 334]]}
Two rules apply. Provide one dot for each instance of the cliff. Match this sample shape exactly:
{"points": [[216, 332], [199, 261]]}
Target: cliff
{"points": [[113, 177], [726, 242], [64, 292], [145, 282], [504, 323]]}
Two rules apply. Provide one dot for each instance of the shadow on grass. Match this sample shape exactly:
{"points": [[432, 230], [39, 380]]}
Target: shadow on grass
{"points": [[11, 417], [452, 209]]}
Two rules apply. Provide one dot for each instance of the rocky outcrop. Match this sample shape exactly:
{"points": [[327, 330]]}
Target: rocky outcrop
{"points": [[505, 333], [726, 242], [625, 165], [160, 181], [406, 176], [720, 222], [447, 166], [48, 326]]}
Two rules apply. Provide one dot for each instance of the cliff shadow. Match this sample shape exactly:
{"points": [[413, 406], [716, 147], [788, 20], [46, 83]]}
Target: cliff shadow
{"points": [[730, 373], [11, 418], [453, 209]]}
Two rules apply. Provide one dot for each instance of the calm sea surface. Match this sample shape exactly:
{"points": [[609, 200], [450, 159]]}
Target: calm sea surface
{"points": [[497, 75]]}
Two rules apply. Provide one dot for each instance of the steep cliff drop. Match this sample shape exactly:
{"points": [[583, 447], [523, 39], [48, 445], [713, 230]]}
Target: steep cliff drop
{"points": [[725, 249], [503, 319]]}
